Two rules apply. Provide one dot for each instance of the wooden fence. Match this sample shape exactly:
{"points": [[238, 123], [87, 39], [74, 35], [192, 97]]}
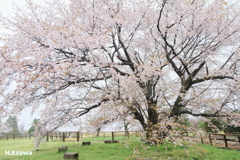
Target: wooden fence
{"points": [[201, 136], [60, 135], [7, 137], [187, 135], [212, 137], [224, 137], [77, 135]]}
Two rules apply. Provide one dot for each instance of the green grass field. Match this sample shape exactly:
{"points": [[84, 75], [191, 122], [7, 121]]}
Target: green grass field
{"points": [[131, 149]]}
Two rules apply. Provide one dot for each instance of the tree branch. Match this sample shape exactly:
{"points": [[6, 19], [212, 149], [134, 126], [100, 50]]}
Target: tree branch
{"points": [[210, 78]]}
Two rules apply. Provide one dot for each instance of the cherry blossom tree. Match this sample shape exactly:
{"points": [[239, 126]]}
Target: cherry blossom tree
{"points": [[95, 122], [4, 129], [110, 117], [157, 59]]}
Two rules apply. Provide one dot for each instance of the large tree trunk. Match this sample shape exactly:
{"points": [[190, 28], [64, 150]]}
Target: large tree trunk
{"points": [[156, 131], [156, 134], [152, 131]]}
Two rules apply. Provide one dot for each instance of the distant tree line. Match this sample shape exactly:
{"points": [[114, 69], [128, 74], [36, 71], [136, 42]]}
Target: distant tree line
{"points": [[11, 127]]}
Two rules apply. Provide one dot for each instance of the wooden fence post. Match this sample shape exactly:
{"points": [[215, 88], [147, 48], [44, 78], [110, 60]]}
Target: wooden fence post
{"points": [[103, 134], [51, 136], [239, 139], [202, 140], [63, 137], [210, 139], [77, 136], [225, 140], [112, 135], [47, 137]]}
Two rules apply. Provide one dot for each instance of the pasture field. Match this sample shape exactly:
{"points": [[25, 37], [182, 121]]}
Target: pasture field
{"points": [[131, 149]]}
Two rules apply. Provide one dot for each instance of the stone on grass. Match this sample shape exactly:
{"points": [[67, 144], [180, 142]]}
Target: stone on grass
{"points": [[70, 155], [115, 141], [111, 141], [62, 149], [65, 147], [86, 143], [108, 141]]}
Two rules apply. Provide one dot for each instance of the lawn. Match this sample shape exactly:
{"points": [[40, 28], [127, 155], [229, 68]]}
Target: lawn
{"points": [[131, 149]]}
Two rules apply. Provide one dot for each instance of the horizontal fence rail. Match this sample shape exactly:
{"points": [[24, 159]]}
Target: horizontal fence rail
{"points": [[14, 137], [201, 137], [224, 137], [77, 135]]}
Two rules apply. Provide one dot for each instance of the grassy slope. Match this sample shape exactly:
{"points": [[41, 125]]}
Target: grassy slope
{"points": [[124, 150]]}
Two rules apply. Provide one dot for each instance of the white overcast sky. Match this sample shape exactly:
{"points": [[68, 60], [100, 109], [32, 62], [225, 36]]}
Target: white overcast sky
{"points": [[6, 8]]}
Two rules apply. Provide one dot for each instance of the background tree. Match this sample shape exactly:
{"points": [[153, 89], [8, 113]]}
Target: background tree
{"points": [[32, 128], [12, 124], [1, 123], [194, 121], [106, 117], [158, 59], [213, 125], [232, 129], [22, 130], [95, 123], [3, 128], [184, 120], [128, 123]]}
